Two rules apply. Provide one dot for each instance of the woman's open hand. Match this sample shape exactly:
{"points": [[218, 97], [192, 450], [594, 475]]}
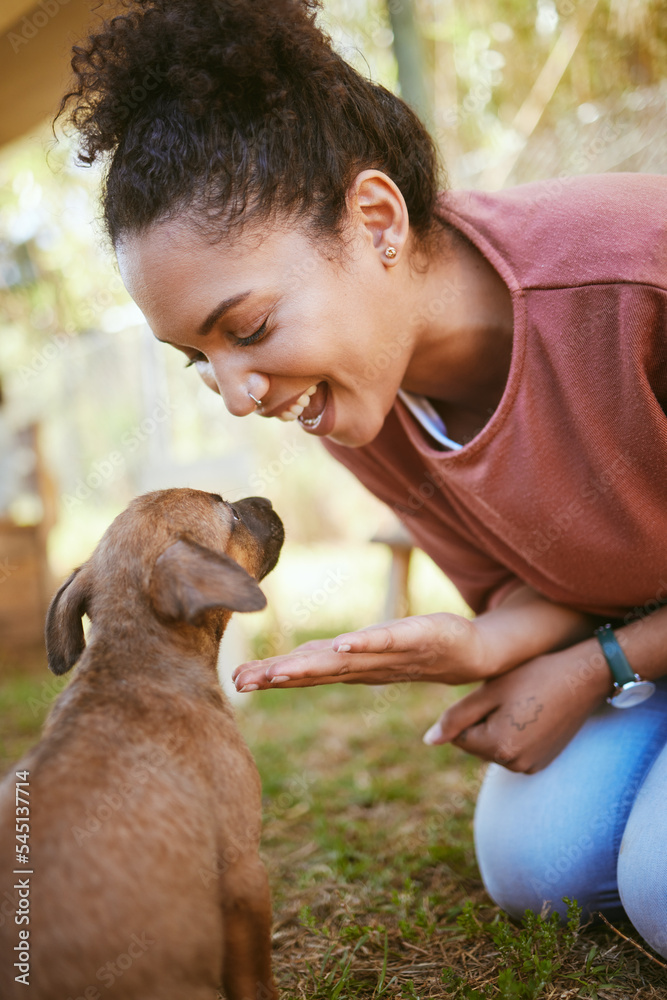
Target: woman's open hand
{"points": [[524, 718], [440, 647]]}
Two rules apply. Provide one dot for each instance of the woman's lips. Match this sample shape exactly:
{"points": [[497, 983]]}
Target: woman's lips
{"points": [[318, 417], [294, 410], [314, 409]]}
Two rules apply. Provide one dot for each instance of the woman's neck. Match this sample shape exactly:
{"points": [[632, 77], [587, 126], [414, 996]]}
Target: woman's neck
{"points": [[463, 345]]}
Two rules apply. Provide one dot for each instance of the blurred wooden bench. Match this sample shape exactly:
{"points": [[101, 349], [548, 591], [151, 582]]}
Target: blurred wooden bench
{"points": [[26, 583], [397, 600], [25, 589]]}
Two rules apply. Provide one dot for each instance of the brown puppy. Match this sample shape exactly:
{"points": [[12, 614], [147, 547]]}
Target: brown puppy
{"points": [[141, 877]]}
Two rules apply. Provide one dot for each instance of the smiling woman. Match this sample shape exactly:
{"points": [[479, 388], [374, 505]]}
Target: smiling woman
{"points": [[492, 366]]}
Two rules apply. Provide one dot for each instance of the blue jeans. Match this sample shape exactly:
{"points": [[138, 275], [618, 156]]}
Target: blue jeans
{"points": [[592, 825]]}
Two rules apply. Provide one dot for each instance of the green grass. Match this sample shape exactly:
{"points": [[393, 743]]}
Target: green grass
{"points": [[368, 839], [368, 843], [24, 703]]}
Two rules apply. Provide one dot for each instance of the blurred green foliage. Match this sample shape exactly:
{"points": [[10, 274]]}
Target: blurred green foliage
{"points": [[74, 358]]}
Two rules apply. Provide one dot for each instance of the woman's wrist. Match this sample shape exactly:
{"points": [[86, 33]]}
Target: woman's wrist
{"points": [[527, 625], [585, 673], [644, 643]]}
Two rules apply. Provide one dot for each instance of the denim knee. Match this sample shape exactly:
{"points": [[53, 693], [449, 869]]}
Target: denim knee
{"points": [[527, 859], [642, 861], [558, 832]]}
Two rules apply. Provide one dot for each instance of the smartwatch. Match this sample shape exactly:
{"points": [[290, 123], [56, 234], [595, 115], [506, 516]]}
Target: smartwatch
{"points": [[629, 688]]}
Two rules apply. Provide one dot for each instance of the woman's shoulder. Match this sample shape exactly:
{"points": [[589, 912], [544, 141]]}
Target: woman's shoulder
{"points": [[570, 230]]}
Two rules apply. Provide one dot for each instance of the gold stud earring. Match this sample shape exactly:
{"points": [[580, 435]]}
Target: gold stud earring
{"points": [[390, 252]]}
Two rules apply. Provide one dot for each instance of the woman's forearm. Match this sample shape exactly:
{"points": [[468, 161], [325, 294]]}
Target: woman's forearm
{"points": [[565, 687], [527, 625], [585, 674]]}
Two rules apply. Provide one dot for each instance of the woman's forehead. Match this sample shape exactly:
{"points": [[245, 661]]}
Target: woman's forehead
{"points": [[178, 277], [172, 246], [170, 258]]}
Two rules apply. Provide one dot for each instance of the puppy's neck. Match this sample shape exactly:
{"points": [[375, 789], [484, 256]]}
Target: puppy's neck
{"points": [[144, 677], [155, 645]]}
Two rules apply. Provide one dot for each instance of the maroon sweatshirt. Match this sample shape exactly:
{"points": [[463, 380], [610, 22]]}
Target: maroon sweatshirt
{"points": [[565, 488]]}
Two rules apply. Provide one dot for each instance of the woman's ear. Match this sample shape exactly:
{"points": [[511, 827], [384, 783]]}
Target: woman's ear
{"points": [[65, 641], [189, 579], [380, 208]]}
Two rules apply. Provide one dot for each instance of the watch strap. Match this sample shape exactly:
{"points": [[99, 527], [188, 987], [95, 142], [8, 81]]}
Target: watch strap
{"points": [[616, 659]]}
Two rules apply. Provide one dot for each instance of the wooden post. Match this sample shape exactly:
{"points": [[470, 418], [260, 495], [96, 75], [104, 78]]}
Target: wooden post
{"points": [[397, 601]]}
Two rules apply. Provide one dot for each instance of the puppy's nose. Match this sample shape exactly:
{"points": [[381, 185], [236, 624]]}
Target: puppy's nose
{"points": [[261, 502]]}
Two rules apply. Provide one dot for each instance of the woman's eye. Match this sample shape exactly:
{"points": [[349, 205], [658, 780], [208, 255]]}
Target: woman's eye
{"points": [[253, 338], [195, 358]]}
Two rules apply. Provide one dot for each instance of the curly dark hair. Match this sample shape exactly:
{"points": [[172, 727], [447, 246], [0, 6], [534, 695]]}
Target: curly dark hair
{"points": [[237, 109]]}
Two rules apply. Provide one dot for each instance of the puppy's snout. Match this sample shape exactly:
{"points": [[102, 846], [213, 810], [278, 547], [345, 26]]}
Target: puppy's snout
{"points": [[259, 517], [259, 508], [258, 502]]}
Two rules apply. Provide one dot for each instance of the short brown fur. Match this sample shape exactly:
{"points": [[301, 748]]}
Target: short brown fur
{"points": [[145, 808]]}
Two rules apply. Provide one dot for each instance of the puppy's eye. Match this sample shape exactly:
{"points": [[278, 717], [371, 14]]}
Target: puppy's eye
{"points": [[234, 514]]}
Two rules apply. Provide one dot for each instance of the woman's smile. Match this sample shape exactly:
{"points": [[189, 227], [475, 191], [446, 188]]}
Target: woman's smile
{"points": [[314, 409], [276, 344], [290, 410]]}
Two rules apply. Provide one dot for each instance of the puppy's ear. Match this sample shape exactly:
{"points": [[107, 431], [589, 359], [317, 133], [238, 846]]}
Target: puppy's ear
{"points": [[189, 579], [65, 641]]}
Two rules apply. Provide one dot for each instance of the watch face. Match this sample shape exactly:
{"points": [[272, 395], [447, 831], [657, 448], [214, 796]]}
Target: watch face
{"points": [[632, 693]]}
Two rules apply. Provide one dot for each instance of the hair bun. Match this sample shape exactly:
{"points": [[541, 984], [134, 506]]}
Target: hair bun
{"points": [[235, 56], [226, 103]]}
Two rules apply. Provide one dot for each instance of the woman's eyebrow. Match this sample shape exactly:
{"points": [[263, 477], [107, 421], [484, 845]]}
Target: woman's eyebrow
{"points": [[220, 310]]}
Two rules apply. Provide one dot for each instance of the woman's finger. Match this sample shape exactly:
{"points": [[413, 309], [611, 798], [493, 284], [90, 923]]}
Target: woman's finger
{"points": [[313, 645], [400, 634], [297, 667], [306, 647], [254, 671], [317, 680], [384, 668], [243, 667], [469, 711], [328, 667], [378, 639]]}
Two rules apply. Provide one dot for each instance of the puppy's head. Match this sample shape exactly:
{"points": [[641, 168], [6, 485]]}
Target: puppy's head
{"points": [[181, 556]]}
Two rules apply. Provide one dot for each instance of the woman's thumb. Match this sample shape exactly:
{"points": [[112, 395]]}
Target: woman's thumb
{"points": [[466, 712]]}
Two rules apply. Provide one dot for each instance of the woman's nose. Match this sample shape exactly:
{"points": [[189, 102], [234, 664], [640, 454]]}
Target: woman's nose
{"points": [[232, 385]]}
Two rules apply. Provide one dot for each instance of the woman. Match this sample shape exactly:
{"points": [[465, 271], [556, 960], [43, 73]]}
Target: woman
{"points": [[491, 365]]}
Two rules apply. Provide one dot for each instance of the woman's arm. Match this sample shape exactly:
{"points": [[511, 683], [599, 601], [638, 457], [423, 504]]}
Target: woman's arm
{"points": [[524, 718], [524, 625], [440, 647]]}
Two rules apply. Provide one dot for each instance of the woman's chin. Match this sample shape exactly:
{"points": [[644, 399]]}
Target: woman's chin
{"points": [[354, 437]]}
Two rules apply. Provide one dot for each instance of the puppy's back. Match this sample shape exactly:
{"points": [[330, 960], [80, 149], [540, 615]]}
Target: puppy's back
{"points": [[135, 832]]}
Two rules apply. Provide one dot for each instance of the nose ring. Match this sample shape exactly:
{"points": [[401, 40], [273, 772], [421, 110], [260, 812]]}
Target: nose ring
{"points": [[257, 402]]}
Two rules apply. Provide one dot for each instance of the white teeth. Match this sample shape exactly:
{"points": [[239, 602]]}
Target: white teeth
{"points": [[313, 422], [296, 409]]}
